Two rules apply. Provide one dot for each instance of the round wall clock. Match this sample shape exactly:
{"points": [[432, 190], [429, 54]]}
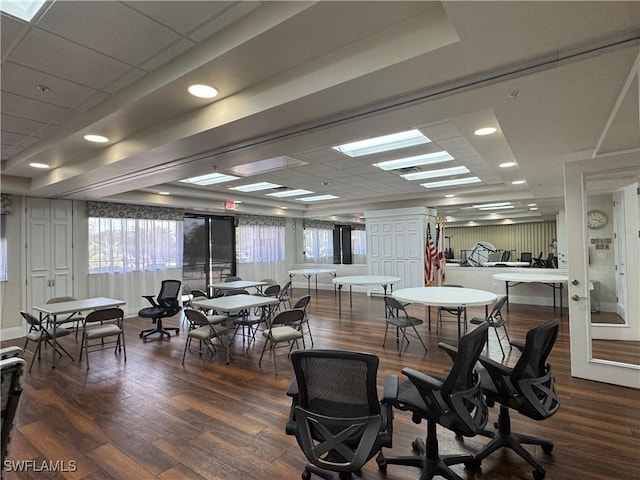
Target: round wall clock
{"points": [[596, 219]]}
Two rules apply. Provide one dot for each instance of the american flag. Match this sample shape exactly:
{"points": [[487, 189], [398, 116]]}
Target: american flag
{"points": [[440, 259], [429, 257]]}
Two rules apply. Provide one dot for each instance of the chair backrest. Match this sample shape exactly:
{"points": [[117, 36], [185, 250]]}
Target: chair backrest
{"points": [[11, 370], [196, 317], [33, 322], [284, 291], [392, 305], [303, 302], [526, 257], [497, 306], [288, 317], [236, 291], [272, 290], [537, 347], [105, 315], [168, 296], [462, 375], [196, 293], [506, 255], [231, 279], [269, 281]]}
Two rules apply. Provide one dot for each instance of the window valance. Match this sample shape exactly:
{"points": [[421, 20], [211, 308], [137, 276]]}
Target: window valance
{"points": [[123, 210], [261, 220], [319, 224], [5, 205]]}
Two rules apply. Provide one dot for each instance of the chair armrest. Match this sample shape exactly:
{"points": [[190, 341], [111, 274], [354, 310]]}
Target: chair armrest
{"points": [[495, 367], [449, 349], [9, 352], [422, 380], [518, 345], [150, 299], [292, 391], [390, 393]]}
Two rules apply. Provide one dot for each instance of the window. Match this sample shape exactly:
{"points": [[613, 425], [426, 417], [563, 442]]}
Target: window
{"points": [[359, 246], [318, 244], [3, 248], [260, 243], [127, 244]]}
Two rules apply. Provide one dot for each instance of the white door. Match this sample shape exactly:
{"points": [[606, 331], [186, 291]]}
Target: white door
{"points": [[617, 171], [561, 232], [49, 253]]}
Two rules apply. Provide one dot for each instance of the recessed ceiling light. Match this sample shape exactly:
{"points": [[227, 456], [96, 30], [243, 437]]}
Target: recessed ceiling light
{"points": [[325, 184], [518, 182], [443, 172], [39, 165], [164, 193], [383, 143], [533, 208], [531, 204], [96, 138], [449, 183], [318, 198], [290, 193], [210, 179], [254, 187], [202, 91], [507, 164], [485, 131], [427, 159]]}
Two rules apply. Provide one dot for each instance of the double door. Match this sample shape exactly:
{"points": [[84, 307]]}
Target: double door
{"points": [[49, 249]]}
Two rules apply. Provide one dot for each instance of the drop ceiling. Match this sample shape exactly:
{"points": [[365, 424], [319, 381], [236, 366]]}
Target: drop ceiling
{"points": [[559, 81]]}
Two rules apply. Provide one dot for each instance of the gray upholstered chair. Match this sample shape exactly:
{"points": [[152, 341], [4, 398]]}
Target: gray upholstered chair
{"points": [[102, 325], [38, 333]]}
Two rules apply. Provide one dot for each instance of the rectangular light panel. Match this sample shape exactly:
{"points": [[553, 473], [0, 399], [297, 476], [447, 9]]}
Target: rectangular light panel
{"points": [[255, 187], [427, 159], [451, 183], [443, 172], [210, 179], [290, 193], [383, 143], [318, 198]]}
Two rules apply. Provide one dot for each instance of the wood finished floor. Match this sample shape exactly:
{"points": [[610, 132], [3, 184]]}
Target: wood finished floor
{"points": [[151, 417]]}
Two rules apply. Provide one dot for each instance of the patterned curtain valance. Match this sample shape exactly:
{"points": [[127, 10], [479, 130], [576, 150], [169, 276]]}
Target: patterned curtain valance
{"points": [[319, 224], [122, 210], [5, 207], [358, 226], [261, 220]]}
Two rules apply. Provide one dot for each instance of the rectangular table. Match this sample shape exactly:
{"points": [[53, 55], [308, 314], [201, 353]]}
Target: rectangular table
{"points": [[308, 272], [235, 303], [235, 285], [50, 311], [554, 281], [364, 280]]}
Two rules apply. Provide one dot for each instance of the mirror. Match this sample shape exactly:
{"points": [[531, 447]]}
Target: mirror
{"points": [[612, 213]]}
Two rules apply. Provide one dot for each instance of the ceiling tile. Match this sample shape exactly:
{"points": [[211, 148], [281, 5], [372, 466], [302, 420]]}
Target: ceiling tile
{"points": [[127, 79], [110, 28], [23, 81], [32, 109], [183, 16], [11, 30], [165, 56], [223, 20], [48, 53], [25, 126]]}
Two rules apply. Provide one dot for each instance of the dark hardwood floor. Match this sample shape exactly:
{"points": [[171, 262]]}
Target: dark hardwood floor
{"points": [[151, 417]]}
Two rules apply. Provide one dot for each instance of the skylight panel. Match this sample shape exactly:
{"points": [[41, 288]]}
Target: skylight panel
{"points": [[290, 193], [318, 198], [443, 172], [24, 10], [450, 183], [501, 207], [255, 187], [415, 161], [210, 179], [383, 143]]}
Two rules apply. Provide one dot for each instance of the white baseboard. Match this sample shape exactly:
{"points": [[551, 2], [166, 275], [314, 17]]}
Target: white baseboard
{"points": [[11, 333]]}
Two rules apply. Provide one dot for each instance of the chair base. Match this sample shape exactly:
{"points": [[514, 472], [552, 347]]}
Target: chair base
{"points": [[429, 460], [326, 474], [158, 329], [503, 437]]}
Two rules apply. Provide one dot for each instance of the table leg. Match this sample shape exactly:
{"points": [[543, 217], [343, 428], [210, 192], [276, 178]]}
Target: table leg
{"points": [[561, 286], [506, 284], [351, 297], [53, 340], [308, 277], [339, 300]]}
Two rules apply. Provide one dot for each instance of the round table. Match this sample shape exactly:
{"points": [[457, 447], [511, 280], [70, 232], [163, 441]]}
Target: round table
{"points": [[554, 280], [446, 297], [352, 280], [308, 272]]}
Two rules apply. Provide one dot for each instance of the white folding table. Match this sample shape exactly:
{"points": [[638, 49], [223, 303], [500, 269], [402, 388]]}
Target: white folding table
{"points": [[555, 281], [364, 280], [50, 311], [235, 303], [235, 285], [450, 297], [308, 272]]}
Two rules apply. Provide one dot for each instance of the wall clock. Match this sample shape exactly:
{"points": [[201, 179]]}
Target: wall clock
{"points": [[596, 219]]}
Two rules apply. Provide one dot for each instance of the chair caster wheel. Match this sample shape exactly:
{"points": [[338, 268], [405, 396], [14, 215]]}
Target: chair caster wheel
{"points": [[382, 463], [140, 334], [539, 474], [547, 448], [306, 475], [471, 465]]}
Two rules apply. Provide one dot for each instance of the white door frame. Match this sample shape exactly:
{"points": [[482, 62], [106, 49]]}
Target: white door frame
{"points": [[583, 364]]}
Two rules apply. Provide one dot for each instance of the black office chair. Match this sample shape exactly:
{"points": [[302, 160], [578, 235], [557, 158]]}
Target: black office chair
{"points": [[526, 257], [12, 371], [455, 402], [336, 416], [164, 305], [539, 262], [528, 388], [506, 255]]}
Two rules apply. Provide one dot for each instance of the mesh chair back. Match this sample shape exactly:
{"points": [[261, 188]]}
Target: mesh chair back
{"points": [[335, 383], [168, 296], [526, 257], [462, 375], [538, 344]]}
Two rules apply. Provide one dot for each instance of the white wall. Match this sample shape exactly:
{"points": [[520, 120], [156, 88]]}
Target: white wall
{"points": [[11, 291]]}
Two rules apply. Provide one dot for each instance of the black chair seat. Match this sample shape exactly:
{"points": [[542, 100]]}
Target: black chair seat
{"points": [[151, 312]]}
